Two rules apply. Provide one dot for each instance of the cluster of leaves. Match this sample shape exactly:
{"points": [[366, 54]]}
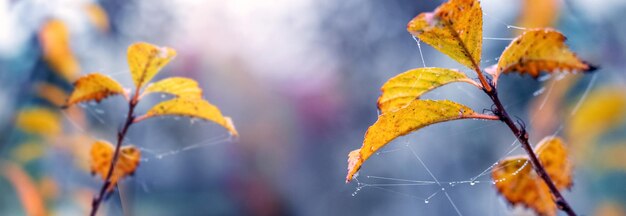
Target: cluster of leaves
{"points": [[145, 60], [455, 29]]}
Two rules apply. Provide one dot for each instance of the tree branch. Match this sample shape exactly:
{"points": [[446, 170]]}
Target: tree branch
{"points": [[95, 204], [522, 136]]}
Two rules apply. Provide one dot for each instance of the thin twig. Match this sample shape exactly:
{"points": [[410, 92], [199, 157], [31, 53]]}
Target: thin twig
{"points": [[522, 136], [130, 117]]}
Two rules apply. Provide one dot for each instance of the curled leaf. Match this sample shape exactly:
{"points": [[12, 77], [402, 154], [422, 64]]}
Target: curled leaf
{"points": [[101, 156], [54, 38], [177, 86], [400, 90], [145, 60], [39, 121], [392, 124], [539, 50], [518, 183], [94, 86], [455, 28], [191, 107]]}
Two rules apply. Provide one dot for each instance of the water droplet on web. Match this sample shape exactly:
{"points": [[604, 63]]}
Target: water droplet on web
{"points": [[92, 103], [162, 95], [99, 111], [443, 189], [159, 156], [472, 183], [540, 91], [426, 201], [176, 118]]}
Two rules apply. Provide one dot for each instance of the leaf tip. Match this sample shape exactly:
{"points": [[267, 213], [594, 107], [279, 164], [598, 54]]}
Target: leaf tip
{"points": [[354, 164]]}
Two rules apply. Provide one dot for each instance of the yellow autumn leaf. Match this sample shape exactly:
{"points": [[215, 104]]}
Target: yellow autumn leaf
{"points": [[518, 183], [145, 60], [53, 94], [54, 38], [400, 90], [94, 86], [191, 107], [177, 86], [102, 155], [455, 28], [393, 124], [610, 208], [602, 110], [539, 50], [39, 121]]}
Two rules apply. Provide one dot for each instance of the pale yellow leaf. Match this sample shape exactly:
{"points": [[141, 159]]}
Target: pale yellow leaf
{"points": [[102, 156], [455, 28], [177, 86], [194, 108], [518, 183], [39, 121], [94, 86], [145, 60], [400, 90], [392, 124], [539, 50]]}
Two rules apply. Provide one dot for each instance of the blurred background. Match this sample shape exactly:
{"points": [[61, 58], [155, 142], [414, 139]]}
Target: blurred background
{"points": [[300, 80]]}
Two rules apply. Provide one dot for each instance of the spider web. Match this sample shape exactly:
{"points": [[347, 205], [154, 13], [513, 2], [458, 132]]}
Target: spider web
{"points": [[388, 184]]}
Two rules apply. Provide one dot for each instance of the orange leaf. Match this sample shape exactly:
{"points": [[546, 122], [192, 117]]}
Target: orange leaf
{"points": [[538, 13], [55, 44], [145, 60], [392, 124], [410, 85], [539, 50], [516, 180], [102, 155], [94, 86], [191, 107], [455, 28], [98, 16], [31, 199]]}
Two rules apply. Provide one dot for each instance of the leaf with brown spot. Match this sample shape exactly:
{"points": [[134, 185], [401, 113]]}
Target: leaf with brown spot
{"points": [[455, 28], [539, 50], [54, 38], [191, 107], [94, 86], [393, 124], [177, 86], [101, 156], [400, 90], [518, 183], [146, 60]]}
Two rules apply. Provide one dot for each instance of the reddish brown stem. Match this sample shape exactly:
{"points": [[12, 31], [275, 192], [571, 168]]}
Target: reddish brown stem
{"points": [[130, 117], [522, 136]]}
